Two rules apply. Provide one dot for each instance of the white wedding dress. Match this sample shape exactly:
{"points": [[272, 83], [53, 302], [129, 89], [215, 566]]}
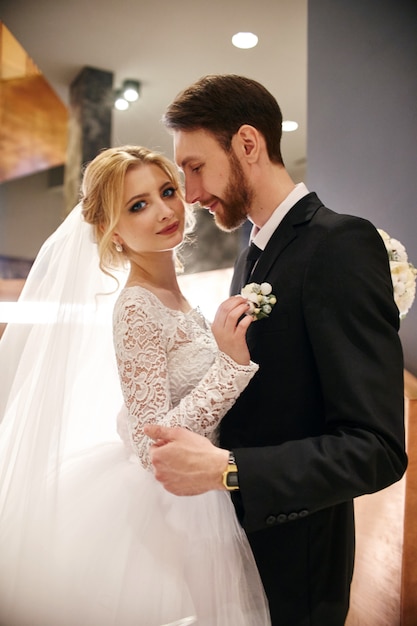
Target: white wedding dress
{"points": [[110, 547]]}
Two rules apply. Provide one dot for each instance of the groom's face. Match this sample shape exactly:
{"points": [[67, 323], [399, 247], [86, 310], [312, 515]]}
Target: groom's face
{"points": [[213, 178]]}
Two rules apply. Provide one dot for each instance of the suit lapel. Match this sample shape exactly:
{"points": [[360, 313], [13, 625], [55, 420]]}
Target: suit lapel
{"points": [[285, 233], [281, 238]]}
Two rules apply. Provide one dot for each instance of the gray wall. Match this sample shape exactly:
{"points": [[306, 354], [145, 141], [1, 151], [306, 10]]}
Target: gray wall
{"points": [[362, 119], [31, 208]]}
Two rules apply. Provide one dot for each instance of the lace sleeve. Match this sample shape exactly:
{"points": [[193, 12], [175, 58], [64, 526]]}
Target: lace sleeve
{"points": [[143, 344]]}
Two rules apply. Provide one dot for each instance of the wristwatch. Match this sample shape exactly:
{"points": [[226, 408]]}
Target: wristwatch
{"points": [[231, 476]]}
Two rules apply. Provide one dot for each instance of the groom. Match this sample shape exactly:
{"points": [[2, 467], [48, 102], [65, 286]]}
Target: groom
{"points": [[322, 421]]}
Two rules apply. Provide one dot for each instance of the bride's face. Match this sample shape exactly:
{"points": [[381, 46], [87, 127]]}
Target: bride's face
{"points": [[152, 215]]}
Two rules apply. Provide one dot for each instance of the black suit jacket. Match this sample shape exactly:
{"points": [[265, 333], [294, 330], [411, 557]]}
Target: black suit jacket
{"points": [[322, 421]]}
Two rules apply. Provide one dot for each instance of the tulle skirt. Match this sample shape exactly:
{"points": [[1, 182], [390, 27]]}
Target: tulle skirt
{"points": [[116, 549]]}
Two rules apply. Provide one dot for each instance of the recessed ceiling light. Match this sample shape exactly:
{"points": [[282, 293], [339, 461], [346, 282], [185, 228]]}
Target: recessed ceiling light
{"points": [[288, 126], [244, 40]]}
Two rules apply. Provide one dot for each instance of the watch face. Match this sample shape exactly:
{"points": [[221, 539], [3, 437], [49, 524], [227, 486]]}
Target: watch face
{"points": [[232, 479]]}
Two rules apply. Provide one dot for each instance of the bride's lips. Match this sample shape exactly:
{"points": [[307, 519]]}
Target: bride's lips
{"points": [[168, 230]]}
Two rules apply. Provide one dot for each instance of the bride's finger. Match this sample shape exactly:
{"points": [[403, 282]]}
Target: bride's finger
{"points": [[235, 306]]}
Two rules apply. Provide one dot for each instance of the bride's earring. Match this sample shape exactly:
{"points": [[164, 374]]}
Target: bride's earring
{"points": [[118, 246]]}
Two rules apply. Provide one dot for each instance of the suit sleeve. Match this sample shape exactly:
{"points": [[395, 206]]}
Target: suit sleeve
{"points": [[352, 327]]}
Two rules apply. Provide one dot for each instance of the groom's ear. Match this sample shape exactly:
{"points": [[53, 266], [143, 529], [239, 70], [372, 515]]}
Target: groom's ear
{"points": [[247, 143]]}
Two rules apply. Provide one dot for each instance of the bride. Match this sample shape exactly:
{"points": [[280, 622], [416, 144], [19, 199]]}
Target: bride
{"points": [[87, 535]]}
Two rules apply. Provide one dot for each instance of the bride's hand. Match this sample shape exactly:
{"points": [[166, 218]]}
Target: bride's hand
{"points": [[229, 328]]}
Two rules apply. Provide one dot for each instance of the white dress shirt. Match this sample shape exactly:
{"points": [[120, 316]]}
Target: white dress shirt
{"points": [[260, 237]]}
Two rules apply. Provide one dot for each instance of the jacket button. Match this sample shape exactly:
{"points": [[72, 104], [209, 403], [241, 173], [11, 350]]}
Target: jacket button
{"points": [[303, 513], [281, 518], [271, 520], [293, 516]]}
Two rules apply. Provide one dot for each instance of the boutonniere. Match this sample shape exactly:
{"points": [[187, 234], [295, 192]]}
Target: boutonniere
{"points": [[403, 273], [260, 298]]}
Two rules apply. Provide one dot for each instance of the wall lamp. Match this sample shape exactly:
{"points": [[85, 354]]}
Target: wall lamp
{"points": [[128, 93]]}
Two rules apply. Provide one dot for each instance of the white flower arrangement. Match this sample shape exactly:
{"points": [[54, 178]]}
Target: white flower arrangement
{"points": [[260, 298], [403, 273]]}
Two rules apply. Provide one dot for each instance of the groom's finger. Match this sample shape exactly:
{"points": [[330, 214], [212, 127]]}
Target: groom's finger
{"points": [[156, 431]]}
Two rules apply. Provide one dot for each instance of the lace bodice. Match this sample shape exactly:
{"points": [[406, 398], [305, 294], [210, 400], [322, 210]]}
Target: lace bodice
{"points": [[171, 370]]}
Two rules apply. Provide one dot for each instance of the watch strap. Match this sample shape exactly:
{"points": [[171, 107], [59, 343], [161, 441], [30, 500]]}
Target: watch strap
{"points": [[230, 475]]}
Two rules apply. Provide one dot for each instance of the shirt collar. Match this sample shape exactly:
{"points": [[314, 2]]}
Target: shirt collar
{"points": [[260, 237]]}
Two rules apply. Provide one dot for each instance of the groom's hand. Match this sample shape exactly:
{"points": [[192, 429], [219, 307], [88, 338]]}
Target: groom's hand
{"points": [[184, 462]]}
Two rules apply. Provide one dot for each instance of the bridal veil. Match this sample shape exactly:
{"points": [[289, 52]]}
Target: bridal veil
{"points": [[59, 387]]}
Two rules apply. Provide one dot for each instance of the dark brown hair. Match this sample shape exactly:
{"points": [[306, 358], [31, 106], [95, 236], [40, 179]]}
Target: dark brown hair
{"points": [[221, 104]]}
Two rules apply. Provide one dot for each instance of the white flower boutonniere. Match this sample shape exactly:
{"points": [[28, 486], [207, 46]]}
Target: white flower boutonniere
{"points": [[403, 273], [260, 298]]}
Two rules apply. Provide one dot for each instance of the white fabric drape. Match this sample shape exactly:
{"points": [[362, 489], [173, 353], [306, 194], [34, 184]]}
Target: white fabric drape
{"points": [[60, 366]]}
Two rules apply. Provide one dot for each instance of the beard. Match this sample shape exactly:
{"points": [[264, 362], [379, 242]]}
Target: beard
{"points": [[237, 198]]}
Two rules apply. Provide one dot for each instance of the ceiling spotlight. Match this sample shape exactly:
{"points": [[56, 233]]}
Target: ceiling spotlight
{"points": [[288, 126], [120, 103], [128, 93], [130, 90], [244, 40]]}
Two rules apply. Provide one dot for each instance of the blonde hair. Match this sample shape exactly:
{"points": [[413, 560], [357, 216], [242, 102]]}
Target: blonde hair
{"points": [[102, 193]]}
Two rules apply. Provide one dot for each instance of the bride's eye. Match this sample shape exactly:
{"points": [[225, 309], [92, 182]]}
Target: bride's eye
{"points": [[137, 206], [169, 192]]}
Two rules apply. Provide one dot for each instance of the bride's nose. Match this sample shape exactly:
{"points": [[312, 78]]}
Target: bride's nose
{"points": [[165, 211]]}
